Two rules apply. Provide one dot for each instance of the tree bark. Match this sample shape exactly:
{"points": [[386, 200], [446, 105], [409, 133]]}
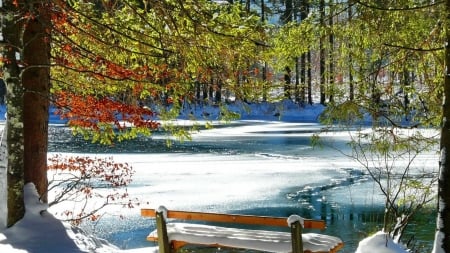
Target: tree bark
{"points": [[309, 74], [350, 58], [36, 81], [288, 13], [443, 221], [322, 54], [331, 74], [3, 182], [12, 31], [26, 74]]}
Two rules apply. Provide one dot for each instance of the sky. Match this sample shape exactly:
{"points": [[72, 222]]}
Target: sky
{"points": [[39, 231]]}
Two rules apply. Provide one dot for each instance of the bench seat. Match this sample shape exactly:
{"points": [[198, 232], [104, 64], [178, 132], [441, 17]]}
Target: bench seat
{"points": [[263, 240]]}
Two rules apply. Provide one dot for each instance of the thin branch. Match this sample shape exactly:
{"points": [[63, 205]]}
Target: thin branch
{"points": [[414, 8], [104, 26], [415, 49], [100, 74]]}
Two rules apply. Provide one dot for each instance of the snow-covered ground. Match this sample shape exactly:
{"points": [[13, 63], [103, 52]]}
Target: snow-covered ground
{"points": [[246, 179]]}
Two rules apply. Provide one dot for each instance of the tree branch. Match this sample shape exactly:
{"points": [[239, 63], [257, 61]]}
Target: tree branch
{"points": [[398, 9], [415, 49]]}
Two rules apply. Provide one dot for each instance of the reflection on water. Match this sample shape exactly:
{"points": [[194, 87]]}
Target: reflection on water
{"points": [[350, 204]]}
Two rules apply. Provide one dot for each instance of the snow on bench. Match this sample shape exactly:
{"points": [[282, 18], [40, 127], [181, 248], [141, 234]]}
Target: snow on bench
{"points": [[173, 235]]}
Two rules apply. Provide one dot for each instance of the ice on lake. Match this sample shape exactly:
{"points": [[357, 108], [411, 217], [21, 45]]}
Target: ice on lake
{"points": [[260, 168]]}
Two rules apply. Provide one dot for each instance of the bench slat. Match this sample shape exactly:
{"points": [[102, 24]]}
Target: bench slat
{"points": [[233, 218]]}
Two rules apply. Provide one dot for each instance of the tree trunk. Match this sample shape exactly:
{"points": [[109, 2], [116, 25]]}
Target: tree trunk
{"points": [[287, 83], [309, 73], [247, 6], [331, 74], [322, 54], [299, 85], [3, 182], [36, 81], [26, 50], [264, 79], [350, 58], [12, 31], [288, 13], [15, 150], [304, 9], [263, 11], [442, 243]]}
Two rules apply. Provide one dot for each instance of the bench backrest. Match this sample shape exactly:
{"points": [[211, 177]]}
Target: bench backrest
{"points": [[233, 218]]}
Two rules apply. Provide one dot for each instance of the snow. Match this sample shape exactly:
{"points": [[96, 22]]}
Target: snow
{"points": [[263, 240], [40, 231], [380, 242], [294, 218], [438, 243], [163, 210]]}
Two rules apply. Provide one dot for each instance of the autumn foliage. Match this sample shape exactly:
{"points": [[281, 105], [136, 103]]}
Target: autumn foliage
{"points": [[87, 185], [104, 116]]}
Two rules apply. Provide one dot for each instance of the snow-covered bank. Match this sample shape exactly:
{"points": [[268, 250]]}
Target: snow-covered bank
{"points": [[39, 231], [380, 242]]}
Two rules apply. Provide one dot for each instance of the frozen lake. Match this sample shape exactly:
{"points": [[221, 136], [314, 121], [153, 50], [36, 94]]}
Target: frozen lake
{"points": [[251, 167]]}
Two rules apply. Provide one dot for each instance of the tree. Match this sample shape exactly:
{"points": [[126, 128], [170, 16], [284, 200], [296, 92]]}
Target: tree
{"points": [[11, 75], [36, 82], [305, 62], [108, 59], [392, 69], [26, 74], [383, 68], [350, 68], [89, 184], [322, 53], [331, 51], [442, 239], [391, 165]]}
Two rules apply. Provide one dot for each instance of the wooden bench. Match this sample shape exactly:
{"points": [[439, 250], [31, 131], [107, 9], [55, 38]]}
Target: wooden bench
{"points": [[173, 235]]}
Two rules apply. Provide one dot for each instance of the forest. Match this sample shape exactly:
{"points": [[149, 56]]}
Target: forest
{"points": [[105, 62]]}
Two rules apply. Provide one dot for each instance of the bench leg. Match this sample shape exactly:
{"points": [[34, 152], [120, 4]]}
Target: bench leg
{"points": [[163, 238], [296, 237]]}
